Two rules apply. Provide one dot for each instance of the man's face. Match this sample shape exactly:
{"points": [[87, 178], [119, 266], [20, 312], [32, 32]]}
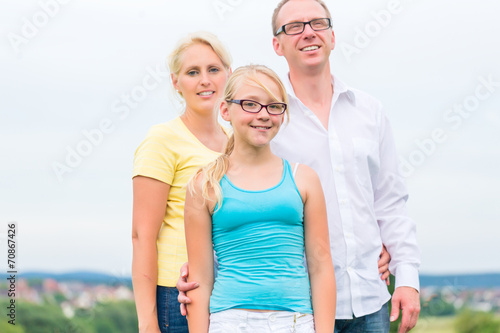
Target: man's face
{"points": [[310, 49]]}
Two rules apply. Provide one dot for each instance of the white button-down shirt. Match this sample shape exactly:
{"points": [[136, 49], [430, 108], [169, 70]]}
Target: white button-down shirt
{"points": [[357, 164]]}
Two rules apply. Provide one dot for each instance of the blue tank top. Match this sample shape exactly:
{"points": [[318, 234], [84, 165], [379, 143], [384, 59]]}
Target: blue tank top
{"points": [[258, 238]]}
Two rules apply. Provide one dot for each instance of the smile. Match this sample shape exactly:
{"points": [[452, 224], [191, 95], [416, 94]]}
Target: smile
{"points": [[310, 48], [206, 93], [261, 127]]}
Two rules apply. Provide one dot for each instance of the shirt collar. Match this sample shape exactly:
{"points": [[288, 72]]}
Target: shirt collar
{"points": [[341, 88]]}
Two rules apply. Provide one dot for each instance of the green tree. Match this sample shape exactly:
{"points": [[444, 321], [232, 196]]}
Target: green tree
{"points": [[437, 307], [45, 318], [107, 317], [115, 317], [476, 322], [5, 327], [59, 297]]}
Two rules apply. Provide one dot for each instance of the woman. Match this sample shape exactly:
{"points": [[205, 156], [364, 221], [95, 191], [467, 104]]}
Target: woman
{"points": [[164, 162], [259, 216]]}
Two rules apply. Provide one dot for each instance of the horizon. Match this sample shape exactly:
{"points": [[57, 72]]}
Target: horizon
{"points": [[467, 281], [97, 272]]}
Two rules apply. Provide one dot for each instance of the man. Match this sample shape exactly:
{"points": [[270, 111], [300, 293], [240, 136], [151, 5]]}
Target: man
{"points": [[343, 134]]}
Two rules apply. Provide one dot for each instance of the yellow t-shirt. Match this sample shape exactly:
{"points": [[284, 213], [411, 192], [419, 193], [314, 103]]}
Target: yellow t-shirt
{"points": [[171, 154]]}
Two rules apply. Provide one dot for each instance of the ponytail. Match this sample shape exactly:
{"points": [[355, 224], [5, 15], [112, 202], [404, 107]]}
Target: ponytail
{"points": [[213, 172]]}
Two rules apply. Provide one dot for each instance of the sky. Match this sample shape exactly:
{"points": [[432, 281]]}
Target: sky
{"points": [[81, 82]]}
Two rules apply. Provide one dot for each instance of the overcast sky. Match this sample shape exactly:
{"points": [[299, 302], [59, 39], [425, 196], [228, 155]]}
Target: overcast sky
{"points": [[81, 82]]}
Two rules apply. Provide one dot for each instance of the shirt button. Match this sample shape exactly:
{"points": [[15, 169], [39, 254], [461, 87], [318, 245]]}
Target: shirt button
{"points": [[272, 318], [339, 168]]}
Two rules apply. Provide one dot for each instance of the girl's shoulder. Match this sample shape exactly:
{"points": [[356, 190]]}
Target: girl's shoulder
{"points": [[302, 171], [200, 188], [306, 179]]}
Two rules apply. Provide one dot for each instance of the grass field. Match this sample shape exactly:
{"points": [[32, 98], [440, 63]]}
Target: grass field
{"points": [[439, 325], [435, 325]]}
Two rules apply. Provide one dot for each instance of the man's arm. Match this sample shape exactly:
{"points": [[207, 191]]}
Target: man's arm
{"points": [[397, 230]]}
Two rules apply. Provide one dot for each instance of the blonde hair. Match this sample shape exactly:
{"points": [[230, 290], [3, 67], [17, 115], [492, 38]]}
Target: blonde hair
{"points": [[282, 3], [213, 172], [174, 60]]}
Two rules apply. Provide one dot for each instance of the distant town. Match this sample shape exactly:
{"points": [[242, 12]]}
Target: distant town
{"points": [[71, 295], [77, 292]]}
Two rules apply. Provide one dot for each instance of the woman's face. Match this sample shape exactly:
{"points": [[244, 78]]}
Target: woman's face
{"points": [[254, 129], [201, 79]]}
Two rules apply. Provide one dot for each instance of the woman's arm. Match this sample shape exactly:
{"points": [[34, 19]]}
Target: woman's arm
{"points": [[317, 246], [150, 202], [198, 228]]}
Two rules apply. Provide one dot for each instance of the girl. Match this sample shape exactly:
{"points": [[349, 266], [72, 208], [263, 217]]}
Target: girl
{"points": [[164, 162], [259, 216]]}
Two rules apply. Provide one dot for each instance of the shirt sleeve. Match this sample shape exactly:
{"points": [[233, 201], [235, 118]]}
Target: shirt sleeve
{"points": [[155, 157], [397, 229]]}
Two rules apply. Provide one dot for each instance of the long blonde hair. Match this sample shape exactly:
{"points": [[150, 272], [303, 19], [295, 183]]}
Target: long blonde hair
{"points": [[213, 172]]}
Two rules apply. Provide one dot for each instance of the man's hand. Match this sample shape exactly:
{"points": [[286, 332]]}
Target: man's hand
{"points": [[383, 265], [183, 286], [407, 300]]}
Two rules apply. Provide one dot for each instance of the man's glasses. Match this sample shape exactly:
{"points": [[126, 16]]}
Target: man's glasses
{"points": [[296, 28], [255, 107]]}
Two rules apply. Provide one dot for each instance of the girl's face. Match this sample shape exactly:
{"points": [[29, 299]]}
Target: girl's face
{"points": [[201, 79], [254, 129]]}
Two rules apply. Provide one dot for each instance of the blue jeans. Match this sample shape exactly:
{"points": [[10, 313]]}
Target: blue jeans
{"points": [[168, 309], [377, 322]]}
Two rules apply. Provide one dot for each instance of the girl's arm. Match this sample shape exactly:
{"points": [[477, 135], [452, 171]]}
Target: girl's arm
{"points": [[317, 246], [198, 228], [150, 202]]}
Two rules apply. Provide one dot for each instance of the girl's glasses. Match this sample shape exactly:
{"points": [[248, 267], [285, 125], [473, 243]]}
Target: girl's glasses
{"points": [[255, 107]]}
